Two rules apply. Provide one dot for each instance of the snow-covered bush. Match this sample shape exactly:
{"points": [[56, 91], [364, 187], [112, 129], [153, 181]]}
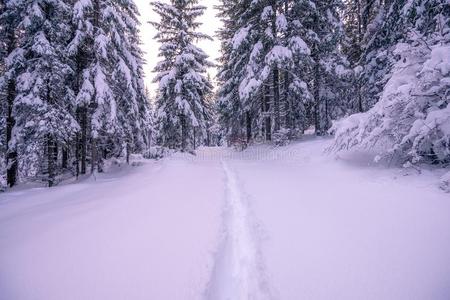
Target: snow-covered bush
{"points": [[411, 121]]}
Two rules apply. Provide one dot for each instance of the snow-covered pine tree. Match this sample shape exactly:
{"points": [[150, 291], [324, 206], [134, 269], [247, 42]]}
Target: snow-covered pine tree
{"points": [[129, 89], [259, 54], [234, 54], [367, 54], [298, 96], [113, 109], [411, 122], [97, 106], [183, 86], [374, 65], [81, 50], [43, 104], [11, 64], [324, 36]]}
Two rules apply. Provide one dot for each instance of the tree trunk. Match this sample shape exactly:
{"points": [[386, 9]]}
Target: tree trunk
{"points": [[249, 126], [128, 153], [276, 98], [267, 119], [276, 75], [194, 140], [65, 157], [51, 161], [316, 91], [360, 98], [317, 117], [77, 156], [83, 141], [11, 154], [93, 156], [284, 104], [183, 133]]}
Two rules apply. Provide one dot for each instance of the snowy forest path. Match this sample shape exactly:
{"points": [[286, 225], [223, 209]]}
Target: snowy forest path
{"points": [[239, 269]]}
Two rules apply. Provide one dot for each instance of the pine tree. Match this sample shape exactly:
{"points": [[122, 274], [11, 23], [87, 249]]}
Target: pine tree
{"points": [[258, 54], [297, 91], [113, 110], [232, 67], [379, 40], [132, 104], [43, 103], [11, 61], [183, 86], [325, 33]]}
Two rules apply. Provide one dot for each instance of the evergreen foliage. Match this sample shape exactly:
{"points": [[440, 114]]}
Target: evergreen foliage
{"points": [[181, 105], [71, 87]]}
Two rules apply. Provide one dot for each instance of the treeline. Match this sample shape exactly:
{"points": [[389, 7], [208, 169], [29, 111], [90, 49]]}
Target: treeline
{"points": [[71, 88], [287, 65]]}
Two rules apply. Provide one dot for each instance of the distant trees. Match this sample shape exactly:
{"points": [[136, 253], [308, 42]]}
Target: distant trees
{"points": [[182, 113], [71, 86]]}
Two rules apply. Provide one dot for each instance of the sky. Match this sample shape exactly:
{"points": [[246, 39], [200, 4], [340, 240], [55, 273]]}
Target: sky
{"points": [[210, 25]]}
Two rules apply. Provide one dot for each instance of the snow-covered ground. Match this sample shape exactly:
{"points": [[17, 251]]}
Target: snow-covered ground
{"points": [[287, 223]]}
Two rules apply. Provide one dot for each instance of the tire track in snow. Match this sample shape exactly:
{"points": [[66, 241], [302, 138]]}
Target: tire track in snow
{"points": [[238, 272]]}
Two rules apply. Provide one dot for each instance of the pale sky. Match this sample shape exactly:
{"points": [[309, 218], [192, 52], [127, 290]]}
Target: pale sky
{"points": [[210, 24]]}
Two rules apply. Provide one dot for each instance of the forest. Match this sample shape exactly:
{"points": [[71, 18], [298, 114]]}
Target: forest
{"points": [[373, 73], [224, 149]]}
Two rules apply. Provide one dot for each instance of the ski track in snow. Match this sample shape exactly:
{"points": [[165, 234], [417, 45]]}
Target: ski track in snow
{"points": [[238, 272]]}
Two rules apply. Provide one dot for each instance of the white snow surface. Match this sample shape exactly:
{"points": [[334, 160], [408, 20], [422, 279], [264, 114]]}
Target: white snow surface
{"points": [[266, 223]]}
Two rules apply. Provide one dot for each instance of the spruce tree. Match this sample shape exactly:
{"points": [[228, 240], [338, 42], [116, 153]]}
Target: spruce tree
{"points": [[112, 106], [183, 86], [11, 63], [234, 54], [43, 103]]}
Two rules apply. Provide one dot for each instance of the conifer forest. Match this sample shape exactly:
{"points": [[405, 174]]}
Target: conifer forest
{"points": [[224, 149]]}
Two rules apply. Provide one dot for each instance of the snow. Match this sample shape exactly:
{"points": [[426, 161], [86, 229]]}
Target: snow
{"points": [[266, 223], [278, 54], [411, 119], [121, 237], [346, 230], [240, 37], [238, 272], [299, 45]]}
